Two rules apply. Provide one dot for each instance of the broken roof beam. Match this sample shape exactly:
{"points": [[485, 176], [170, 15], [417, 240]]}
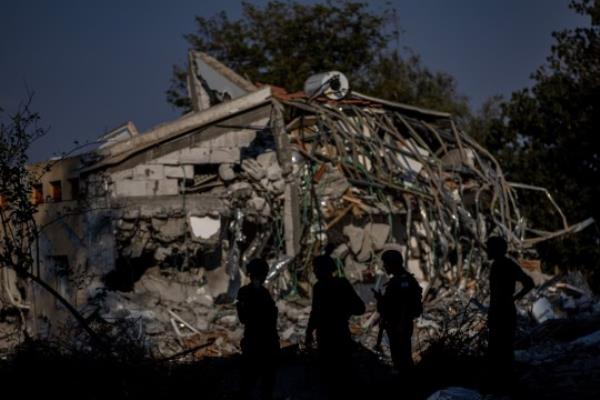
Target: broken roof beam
{"points": [[413, 110], [171, 130], [210, 82]]}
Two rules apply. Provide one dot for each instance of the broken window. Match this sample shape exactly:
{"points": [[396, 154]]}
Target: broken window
{"points": [[37, 193], [56, 191], [74, 185]]}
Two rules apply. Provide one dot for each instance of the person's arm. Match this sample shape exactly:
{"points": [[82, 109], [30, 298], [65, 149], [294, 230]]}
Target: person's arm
{"points": [[312, 319], [379, 336], [242, 308], [525, 280]]}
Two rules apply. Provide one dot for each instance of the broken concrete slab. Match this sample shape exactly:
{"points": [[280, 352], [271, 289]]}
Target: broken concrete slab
{"points": [[254, 169], [226, 172], [355, 236], [267, 159], [180, 171], [205, 227]]}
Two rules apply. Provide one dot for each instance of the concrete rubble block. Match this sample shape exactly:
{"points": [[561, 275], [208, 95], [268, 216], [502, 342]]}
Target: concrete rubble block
{"points": [[148, 171], [124, 225], [257, 203], [138, 244], [237, 138], [185, 171], [332, 184], [378, 233], [164, 288], [353, 269], [161, 253], [274, 172], [165, 187], [131, 214], [225, 155], [254, 169], [168, 230], [341, 251], [355, 236], [226, 172], [414, 267], [454, 159], [241, 188], [120, 175], [206, 227], [267, 159], [129, 188], [542, 310], [142, 188], [217, 281], [366, 250], [278, 187], [266, 210]]}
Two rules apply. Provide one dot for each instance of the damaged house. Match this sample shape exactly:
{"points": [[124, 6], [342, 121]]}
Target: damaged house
{"points": [[156, 227]]}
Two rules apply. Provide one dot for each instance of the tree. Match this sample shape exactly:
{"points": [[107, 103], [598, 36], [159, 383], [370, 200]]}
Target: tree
{"points": [[548, 135], [18, 228], [286, 42]]}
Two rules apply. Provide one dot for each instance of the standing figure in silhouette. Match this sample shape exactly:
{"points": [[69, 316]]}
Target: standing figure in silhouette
{"points": [[502, 316], [260, 344], [398, 307], [334, 302]]}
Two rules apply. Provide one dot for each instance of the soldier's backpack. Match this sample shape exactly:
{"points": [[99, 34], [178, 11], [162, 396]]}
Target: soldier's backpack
{"points": [[416, 294]]}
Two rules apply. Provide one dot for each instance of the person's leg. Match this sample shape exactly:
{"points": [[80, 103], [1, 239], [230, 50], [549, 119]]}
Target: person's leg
{"points": [[268, 375], [250, 373], [400, 338]]}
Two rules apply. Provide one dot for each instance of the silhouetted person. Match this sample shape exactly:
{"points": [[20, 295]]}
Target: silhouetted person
{"points": [[398, 306], [502, 316], [334, 302], [260, 345]]}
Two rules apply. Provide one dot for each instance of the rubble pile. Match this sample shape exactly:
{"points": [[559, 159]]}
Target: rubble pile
{"points": [[381, 173]]}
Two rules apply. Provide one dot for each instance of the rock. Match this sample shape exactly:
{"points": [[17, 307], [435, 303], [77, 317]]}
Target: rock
{"points": [[226, 172]]}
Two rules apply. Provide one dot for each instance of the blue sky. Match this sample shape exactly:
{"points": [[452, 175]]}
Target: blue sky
{"points": [[96, 64]]}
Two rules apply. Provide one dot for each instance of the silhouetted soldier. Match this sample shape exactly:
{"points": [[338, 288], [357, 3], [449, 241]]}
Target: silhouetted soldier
{"points": [[502, 315], [334, 302], [260, 345], [398, 307]]}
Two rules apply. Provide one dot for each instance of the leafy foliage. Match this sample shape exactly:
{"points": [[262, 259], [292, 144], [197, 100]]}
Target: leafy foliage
{"points": [[18, 233], [548, 135], [286, 42]]}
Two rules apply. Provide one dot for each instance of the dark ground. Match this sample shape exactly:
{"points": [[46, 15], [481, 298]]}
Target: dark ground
{"points": [[37, 371]]}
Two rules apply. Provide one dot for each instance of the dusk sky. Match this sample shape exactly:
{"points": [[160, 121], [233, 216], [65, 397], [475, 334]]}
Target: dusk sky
{"points": [[94, 65]]}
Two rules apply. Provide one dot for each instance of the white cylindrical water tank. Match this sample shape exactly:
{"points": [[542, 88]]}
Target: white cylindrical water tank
{"points": [[333, 85]]}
